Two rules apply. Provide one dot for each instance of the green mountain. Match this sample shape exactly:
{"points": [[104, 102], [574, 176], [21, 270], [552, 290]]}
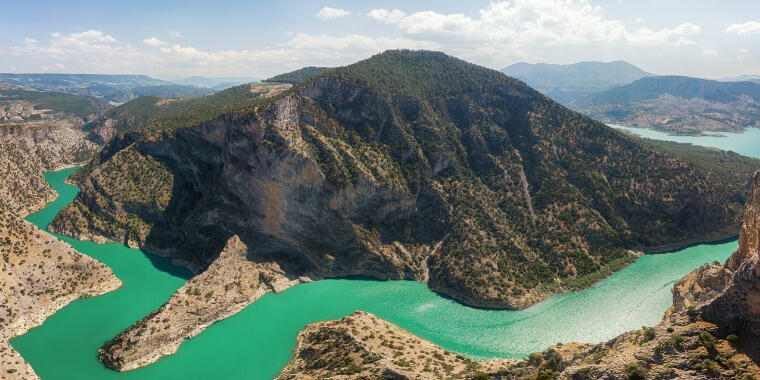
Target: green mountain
{"points": [[298, 76], [677, 104], [564, 83], [407, 165]]}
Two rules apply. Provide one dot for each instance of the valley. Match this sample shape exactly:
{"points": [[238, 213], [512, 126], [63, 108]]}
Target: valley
{"points": [[242, 351], [215, 196]]}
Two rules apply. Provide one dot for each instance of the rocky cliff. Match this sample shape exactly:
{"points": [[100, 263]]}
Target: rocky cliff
{"points": [[443, 171], [709, 333], [737, 308], [39, 274], [408, 165], [27, 152]]}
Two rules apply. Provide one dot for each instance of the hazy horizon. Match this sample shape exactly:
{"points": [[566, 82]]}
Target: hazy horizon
{"points": [[257, 40]]}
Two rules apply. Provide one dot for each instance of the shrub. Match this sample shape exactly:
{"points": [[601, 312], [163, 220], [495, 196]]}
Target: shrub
{"points": [[708, 340], [636, 371], [547, 374], [649, 334], [584, 374]]}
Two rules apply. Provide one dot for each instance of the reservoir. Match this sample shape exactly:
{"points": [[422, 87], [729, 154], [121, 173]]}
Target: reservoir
{"points": [[257, 342]]}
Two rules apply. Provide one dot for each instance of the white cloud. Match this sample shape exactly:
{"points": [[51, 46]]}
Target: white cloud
{"points": [[328, 13], [78, 52], [683, 41], [56, 67], [743, 51], [153, 41], [174, 34], [749, 27], [389, 17], [707, 52], [520, 23]]}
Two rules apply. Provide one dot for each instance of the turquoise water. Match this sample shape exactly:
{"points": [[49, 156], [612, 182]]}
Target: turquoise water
{"points": [[747, 143], [257, 342]]}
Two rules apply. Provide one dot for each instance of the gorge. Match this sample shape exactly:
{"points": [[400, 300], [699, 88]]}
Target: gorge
{"points": [[230, 196]]}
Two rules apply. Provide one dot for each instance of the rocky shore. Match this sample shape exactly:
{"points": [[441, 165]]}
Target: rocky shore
{"points": [[39, 274], [230, 283]]}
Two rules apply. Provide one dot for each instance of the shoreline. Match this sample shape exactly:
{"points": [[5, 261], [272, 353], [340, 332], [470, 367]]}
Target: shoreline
{"points": [[688, 243]]}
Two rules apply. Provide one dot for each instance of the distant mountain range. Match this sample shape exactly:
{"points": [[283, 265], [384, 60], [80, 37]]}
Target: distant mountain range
{"points": [[677, 104], [621, 93], [564, 83], [741, 78], [109, 88], [215, 83]]}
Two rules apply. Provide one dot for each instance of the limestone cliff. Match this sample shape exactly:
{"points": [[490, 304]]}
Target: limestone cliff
{"points": [[409, 165], [709, 333], [737, 308], [27, 152], [39, 274]]}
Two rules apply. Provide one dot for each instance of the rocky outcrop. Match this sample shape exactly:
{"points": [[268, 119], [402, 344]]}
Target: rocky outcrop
{"points": [[364, 346], [737, 308], [232, 282]]}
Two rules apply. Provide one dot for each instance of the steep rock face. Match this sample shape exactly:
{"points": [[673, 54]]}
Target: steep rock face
{"points": [[737, 308], [409, 165], [711, 332]]}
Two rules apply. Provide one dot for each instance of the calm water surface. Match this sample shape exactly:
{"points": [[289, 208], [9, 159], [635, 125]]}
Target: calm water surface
{"points": [[747, 143], [257, 342]]}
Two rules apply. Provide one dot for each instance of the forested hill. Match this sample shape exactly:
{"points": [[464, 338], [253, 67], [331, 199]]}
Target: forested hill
{"points": [[410, 164]]}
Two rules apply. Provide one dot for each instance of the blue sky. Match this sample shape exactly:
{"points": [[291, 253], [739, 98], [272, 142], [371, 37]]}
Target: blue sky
{"points": [[257, 39]]}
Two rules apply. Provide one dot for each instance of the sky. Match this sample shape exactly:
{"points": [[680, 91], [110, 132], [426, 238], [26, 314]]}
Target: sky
{"points": [[257, 39]]}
